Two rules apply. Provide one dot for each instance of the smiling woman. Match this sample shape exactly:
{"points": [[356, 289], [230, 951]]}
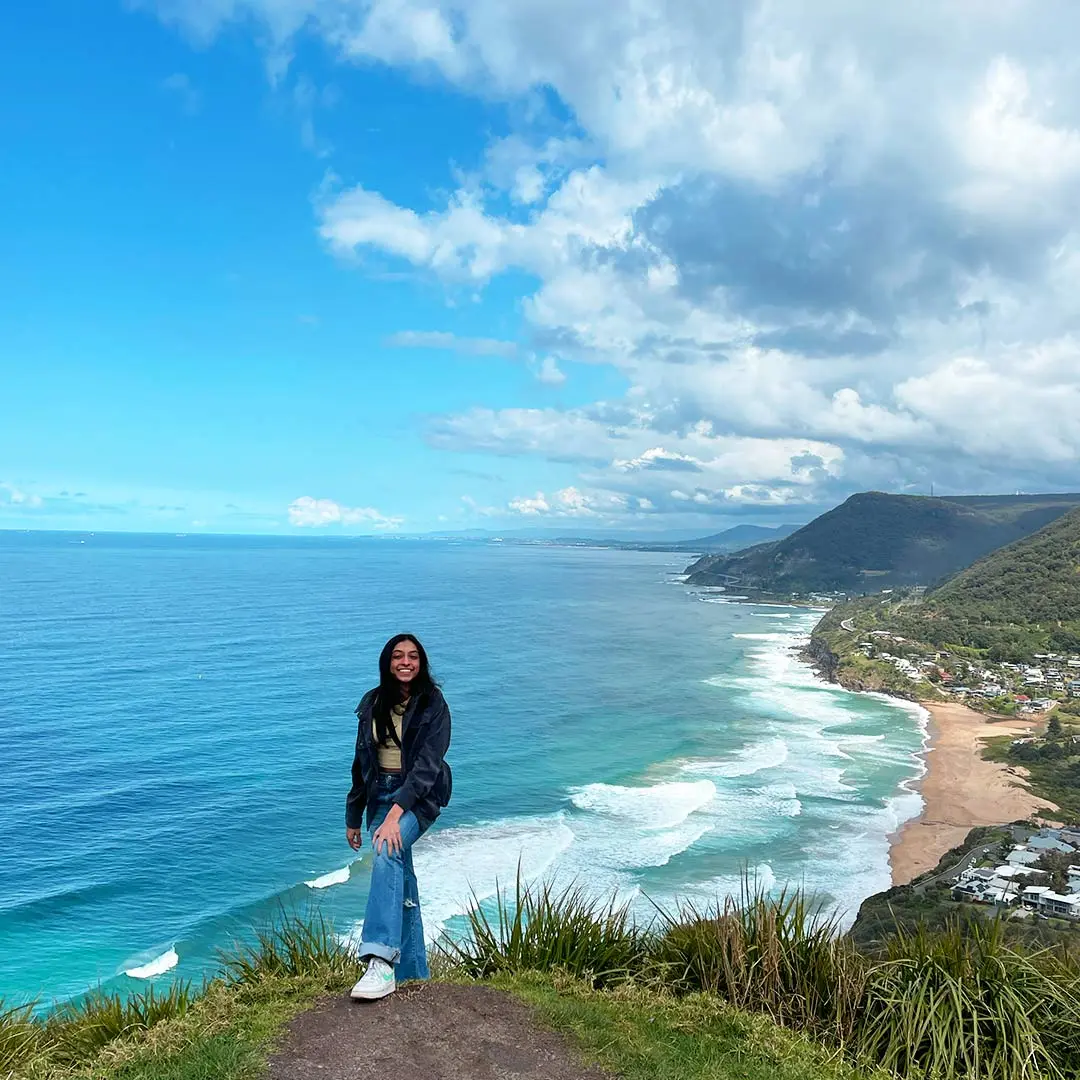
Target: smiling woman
{"points": [[401, 778]]}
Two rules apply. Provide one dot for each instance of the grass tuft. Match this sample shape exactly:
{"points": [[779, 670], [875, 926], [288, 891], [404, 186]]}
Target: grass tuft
{"points": [[543, 929], [294, 947], [963, 1003], [774, 956]]}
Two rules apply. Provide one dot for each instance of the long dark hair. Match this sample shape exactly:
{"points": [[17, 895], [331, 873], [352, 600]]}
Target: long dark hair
{"points": [[390, 689]]}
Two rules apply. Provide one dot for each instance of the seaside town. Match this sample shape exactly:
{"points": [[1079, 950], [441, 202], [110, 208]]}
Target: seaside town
{"points": [[1036, 878], [1005, 688]]}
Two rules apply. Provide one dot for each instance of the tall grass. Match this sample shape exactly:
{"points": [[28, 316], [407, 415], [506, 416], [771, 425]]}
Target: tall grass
{"points": [[958, 1004], [542, 929], [775, 956], [295, 946], [20, 1037], [963, 1003], [75, 1032]]}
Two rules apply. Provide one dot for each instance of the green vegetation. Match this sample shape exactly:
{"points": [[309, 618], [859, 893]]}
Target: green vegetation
{"points": [[1032, 586], [762, 989], [643, 1035], [875, 541], [1009, 608], [1052, 763]]}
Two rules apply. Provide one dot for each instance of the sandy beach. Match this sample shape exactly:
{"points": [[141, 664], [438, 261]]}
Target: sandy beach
{"points": [[960, 790]]}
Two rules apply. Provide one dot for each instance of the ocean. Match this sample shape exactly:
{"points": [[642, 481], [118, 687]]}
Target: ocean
{"points": [[176, 732]]}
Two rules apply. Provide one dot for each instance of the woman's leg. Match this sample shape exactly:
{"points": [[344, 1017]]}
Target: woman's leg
{"points": [[382, 933], [413, 961]]}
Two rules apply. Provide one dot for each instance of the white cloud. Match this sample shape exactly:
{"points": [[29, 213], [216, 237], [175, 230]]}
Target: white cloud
{"points": [[571, 502], [437, 339], [824, 246], [308, 512], [549, 373], [12, 496]]}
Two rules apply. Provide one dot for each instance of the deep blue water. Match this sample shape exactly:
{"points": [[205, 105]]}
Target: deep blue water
{"points": [[176, 731]]}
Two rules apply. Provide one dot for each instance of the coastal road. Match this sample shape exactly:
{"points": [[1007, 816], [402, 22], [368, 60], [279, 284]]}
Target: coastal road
{"points": [[968, 860], [848, 625]]}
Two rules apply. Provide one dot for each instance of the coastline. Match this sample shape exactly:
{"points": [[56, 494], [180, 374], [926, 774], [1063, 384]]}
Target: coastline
{"points": [[959, 788]]}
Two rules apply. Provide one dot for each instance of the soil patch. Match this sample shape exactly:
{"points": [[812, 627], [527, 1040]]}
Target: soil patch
{"points": [[430, 1030]]}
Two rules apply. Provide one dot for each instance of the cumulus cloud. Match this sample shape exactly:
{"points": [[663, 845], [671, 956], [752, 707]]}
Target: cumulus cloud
{"points": [[571, 502], [14, 497], [308, 512], [825, 246]]}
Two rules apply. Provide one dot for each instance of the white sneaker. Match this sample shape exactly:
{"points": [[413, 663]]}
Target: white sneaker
{"points": [[377, 982]]}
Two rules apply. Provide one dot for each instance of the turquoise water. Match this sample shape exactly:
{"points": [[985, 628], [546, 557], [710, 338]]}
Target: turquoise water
{"points": [[177, 731]]}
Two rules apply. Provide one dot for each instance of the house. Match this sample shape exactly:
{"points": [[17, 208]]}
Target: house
{"points": [[1010, 871], [1074, 879], [1032, 896], [1042, 844], [1023, 857], [1052, 903]]}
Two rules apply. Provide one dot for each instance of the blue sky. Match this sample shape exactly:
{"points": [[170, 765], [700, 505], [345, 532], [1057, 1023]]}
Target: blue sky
{"points": [[392, 265]]}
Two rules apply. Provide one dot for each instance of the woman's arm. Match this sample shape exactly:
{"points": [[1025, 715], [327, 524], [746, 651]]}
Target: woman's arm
{"points": [[429, 758], [356, 800]]}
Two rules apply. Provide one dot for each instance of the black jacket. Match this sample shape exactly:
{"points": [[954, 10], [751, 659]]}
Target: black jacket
{"points": [[427, 782]]}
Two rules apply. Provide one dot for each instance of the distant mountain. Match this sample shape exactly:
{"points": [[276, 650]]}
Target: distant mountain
{"points": [[733, 539], [875, 540], [737, 538]]}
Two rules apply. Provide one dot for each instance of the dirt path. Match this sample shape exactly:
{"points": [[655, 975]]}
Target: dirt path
{"points": [[430, 1031]]}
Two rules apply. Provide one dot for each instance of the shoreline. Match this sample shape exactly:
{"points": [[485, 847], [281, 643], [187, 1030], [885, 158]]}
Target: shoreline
{"points": [[960, 789]]}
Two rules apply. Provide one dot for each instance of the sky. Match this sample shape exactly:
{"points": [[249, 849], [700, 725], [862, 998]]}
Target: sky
{"points": [[653, 266]]}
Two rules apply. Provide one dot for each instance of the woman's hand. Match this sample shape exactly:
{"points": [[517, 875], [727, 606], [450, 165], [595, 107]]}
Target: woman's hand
{"points": [[355, 838], [389, 832]]}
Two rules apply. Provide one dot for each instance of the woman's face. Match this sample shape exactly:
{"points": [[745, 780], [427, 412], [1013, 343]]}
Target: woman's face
{"points": [[405, 662]]}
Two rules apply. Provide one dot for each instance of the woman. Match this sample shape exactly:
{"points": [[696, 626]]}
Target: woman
{"points": [[400, 777]]}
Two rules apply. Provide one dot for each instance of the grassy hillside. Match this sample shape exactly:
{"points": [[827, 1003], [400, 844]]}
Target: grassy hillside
{"points": [[983, 629], [761, 991], [1034, 582], [875, 541]]}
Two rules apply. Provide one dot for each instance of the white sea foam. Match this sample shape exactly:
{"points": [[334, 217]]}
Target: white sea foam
{"points": [[711, 894], [768, 754], [661, 806], [473, 861], [771, 614], [811, 716], [158, 966], [334, 877]]}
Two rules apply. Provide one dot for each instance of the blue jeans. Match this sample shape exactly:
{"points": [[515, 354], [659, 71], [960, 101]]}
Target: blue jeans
{"points": [[393, 929]]}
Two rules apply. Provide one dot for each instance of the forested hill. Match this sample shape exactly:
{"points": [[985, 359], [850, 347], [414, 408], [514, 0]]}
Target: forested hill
{"points": [[876, 540], [1033, 581]]}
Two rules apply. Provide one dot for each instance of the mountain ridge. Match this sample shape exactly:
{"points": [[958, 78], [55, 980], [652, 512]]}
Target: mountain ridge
{"points": [[875, 540]]}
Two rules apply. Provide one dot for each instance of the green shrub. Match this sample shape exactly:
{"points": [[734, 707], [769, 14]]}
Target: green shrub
{"points": [[541, 929], [20, 1037], [296, 946], [963, 1004], [774, 956]]}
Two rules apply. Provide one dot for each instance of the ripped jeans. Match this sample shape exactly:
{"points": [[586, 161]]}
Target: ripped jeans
{"points": [[393, 929]]}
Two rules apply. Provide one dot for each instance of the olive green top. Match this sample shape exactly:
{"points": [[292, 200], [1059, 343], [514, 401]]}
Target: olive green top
{"points": [[389, 751]]}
